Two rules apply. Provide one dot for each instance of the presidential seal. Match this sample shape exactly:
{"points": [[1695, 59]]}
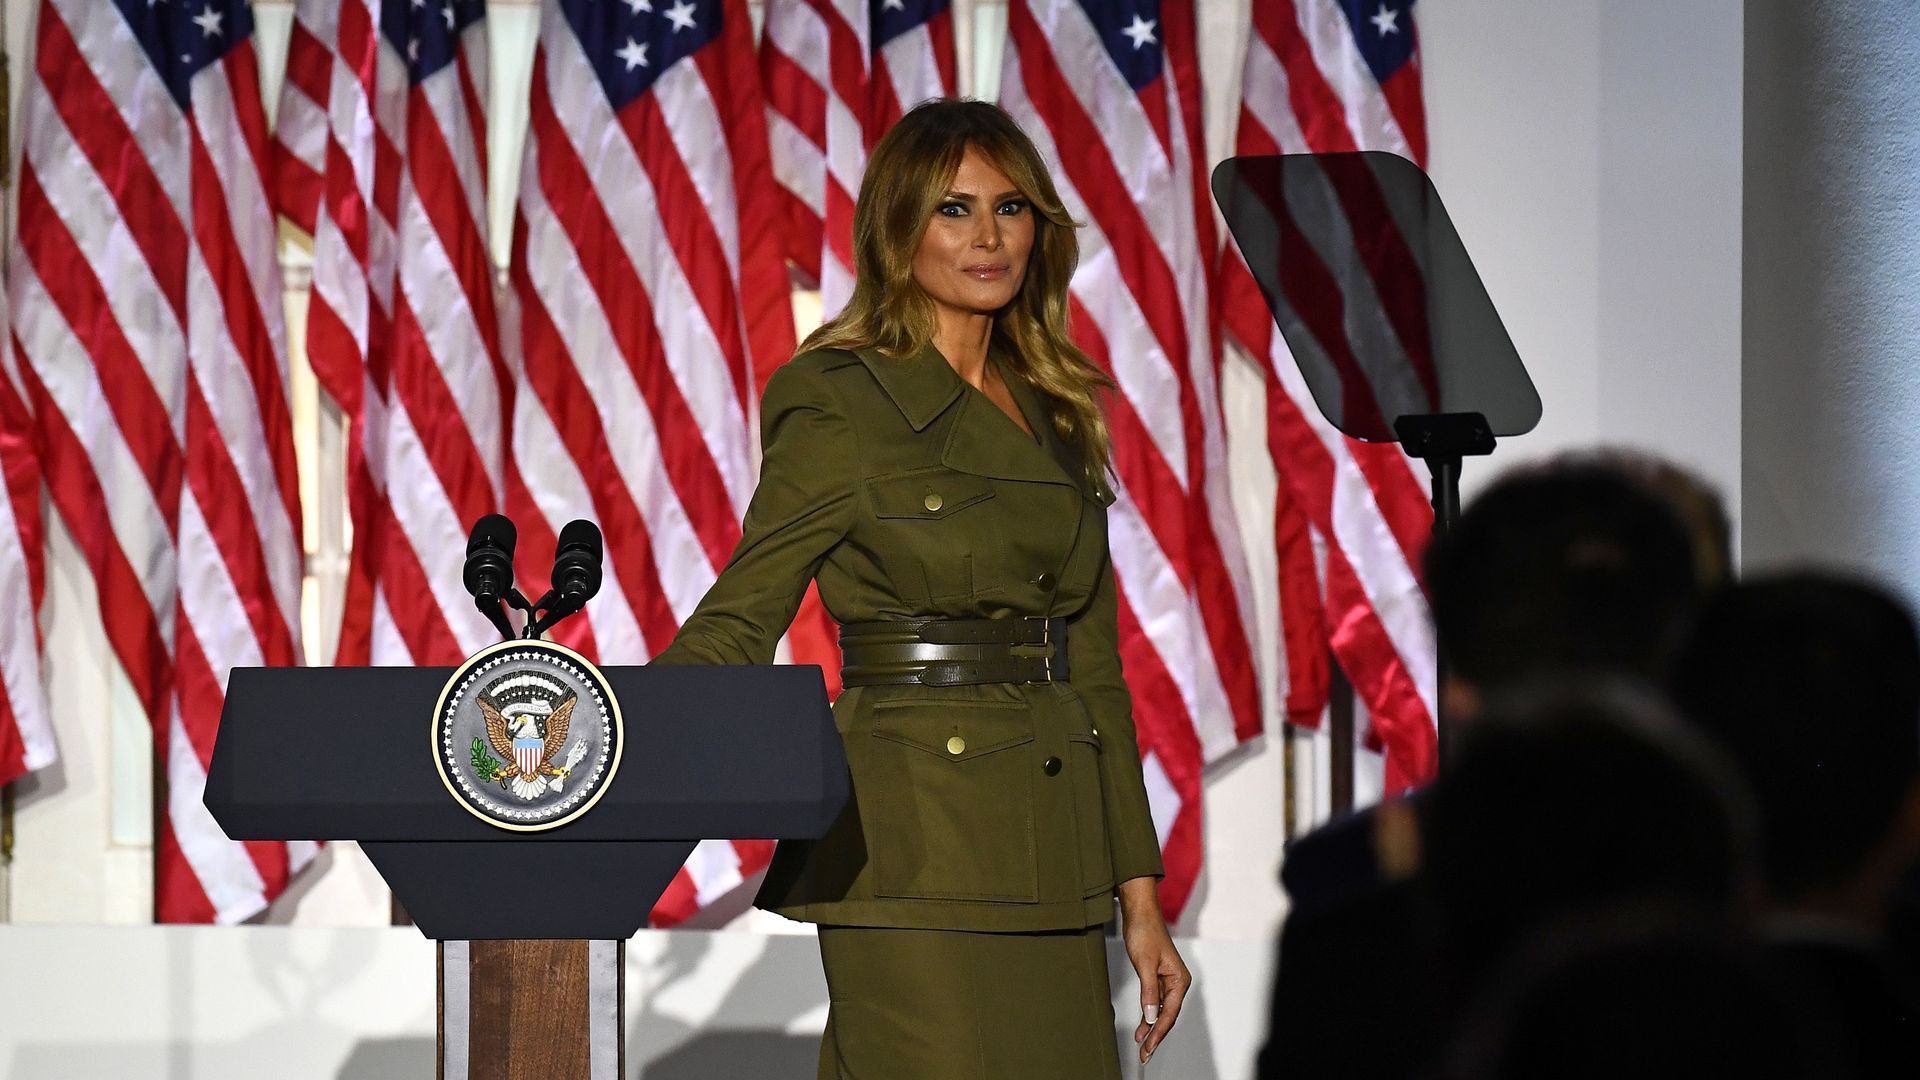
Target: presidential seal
{"points": [[527, 734]]}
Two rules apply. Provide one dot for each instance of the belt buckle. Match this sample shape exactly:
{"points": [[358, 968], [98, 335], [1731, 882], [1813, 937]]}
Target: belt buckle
{"points": [[1046, 638]]}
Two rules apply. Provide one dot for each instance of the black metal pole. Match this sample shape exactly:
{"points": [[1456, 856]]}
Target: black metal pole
{"points": [[1443, 441], [1446, 511]]}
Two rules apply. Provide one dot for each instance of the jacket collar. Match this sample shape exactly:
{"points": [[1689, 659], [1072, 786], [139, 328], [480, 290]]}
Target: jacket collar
{"points": [[921, 385], [981, 440]]}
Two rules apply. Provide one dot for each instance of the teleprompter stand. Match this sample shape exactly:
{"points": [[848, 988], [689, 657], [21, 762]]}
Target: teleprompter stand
{"points": [[1386, 318], [531, 924]]}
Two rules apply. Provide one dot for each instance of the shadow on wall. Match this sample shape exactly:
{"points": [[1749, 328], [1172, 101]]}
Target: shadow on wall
{"points": [[737, 1053], [767, 991], [384, 1059]]}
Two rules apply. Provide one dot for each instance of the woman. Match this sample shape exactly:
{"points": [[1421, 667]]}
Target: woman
{"points": [[935, 456]]}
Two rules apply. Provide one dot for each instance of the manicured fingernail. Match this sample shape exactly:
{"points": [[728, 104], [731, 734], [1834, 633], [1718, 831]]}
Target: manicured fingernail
{"points": [[1152, 1014]]}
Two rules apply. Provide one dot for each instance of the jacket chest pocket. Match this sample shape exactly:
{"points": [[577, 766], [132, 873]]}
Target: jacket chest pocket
{"points": [[952, 800], [929, 518]]}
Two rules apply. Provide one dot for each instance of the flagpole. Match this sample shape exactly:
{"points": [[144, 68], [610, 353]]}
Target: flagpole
{"points": [[1289, 812], [6, 853]]}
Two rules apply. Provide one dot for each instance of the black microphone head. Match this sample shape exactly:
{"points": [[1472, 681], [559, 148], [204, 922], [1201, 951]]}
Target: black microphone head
{"points": [[494, 531], [488, 573], [576, 561], [581, 535]]}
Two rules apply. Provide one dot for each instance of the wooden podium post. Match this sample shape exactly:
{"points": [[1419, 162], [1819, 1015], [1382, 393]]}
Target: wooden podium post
{"points": [[531, 1009]]}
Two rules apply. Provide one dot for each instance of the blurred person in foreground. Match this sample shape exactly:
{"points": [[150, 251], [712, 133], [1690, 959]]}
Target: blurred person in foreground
{"points": [[1591, 879], [1581, 565], [1810, 681], [1570, 798], [1592, 561], [1573, 810], [1614, 998]]}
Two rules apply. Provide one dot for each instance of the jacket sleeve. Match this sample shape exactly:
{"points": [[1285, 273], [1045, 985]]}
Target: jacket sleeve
{"points": [[1093, 656], [802, 506]]}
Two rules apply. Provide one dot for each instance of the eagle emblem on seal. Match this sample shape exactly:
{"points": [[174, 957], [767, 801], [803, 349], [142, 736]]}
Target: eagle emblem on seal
{"points": [[527, 718], [527, 734]]}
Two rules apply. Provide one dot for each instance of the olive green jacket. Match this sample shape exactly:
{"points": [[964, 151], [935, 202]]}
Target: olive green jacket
{"points": [[907, 492]]}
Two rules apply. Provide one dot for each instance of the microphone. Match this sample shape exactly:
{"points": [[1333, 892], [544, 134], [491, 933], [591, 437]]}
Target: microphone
{"points": [[488, 574], [576, 574], [576, 564]]}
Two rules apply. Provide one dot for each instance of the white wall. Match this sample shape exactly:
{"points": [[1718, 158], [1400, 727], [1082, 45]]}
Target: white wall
{"points": [[1832, 326], [1590, 153]]}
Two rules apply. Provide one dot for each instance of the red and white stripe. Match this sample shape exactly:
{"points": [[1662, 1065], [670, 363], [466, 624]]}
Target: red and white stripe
{"points": [[648, 287], [26, 730], [1141, 310], [390, 179], [830, 96], [147, 313], [528, 758], [1364, 504]]}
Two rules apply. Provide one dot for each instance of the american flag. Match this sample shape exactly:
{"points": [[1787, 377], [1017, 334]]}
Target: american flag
{"points": [[26, 733], [1109, 90], [838, 74], [147, 313], [381, 156], [1325, 76], [649, 287]]}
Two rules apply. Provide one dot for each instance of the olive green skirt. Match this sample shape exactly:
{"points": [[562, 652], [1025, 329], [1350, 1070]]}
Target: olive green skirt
{"points": [[912, 1004]]}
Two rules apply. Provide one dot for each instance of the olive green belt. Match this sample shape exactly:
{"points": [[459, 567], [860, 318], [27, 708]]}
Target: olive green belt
{"points": [[952, 652]]}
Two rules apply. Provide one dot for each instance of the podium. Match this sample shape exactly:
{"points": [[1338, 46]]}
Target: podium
{"points": [[530, 924]]}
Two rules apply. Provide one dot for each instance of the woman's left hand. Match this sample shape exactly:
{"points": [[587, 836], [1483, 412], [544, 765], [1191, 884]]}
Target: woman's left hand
{"points": [[1164, 978]]}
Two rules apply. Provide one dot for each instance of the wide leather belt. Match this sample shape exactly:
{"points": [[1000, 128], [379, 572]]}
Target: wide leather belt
{"points": [[952, 652]]}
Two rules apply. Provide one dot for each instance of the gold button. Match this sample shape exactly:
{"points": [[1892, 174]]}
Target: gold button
{"points": [[956, 745], [933, 503]]}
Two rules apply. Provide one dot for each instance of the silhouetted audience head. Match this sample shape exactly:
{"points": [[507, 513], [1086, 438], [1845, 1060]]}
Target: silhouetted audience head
{"points": [[1573, 567], [1696, 502], [1811, 683], [1628, 1003], [1571, 796]]}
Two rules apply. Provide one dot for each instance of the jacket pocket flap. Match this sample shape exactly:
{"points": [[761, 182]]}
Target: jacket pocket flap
{"points": [[954, 730], [926, 492]]}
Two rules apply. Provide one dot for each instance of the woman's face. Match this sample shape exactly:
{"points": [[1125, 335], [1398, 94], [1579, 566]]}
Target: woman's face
{"points": [[973, 256]]}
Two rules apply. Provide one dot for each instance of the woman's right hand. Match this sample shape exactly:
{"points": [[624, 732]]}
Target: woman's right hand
{"points": [[1164, 978]]}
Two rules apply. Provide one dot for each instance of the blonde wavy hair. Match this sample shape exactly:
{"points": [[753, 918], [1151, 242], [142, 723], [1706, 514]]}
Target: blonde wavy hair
{"points": [[908, 175]]}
